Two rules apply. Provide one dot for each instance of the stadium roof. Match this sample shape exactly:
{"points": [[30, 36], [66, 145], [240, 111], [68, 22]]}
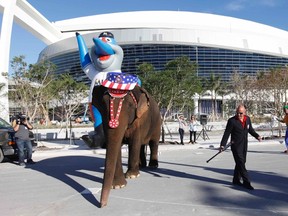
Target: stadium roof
{"points": [[185, 27]]}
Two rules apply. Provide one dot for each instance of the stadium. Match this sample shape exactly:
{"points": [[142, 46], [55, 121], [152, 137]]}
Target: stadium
{"points": [[218, 44]]}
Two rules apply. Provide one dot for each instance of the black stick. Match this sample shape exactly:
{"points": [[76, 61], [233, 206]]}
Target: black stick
{"points": [[226, 147]]}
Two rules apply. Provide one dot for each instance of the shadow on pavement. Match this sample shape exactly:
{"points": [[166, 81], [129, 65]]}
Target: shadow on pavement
{"points": [[62, 167], [274, 197]]}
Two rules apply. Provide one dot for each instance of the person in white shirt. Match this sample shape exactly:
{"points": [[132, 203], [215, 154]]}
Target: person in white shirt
{"points": [[193, 129]]}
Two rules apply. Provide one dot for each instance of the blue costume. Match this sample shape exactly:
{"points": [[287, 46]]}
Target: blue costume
{"points": [[104, 57]]}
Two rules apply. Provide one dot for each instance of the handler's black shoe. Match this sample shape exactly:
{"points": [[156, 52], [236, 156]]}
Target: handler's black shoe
{"points": [[237, 183], [248, 186]]}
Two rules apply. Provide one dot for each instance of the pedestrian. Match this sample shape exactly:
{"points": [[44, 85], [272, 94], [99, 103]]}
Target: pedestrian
{"points": [[193, 128], [285, 120], [22, 127], [238, 127], [182, 124]]}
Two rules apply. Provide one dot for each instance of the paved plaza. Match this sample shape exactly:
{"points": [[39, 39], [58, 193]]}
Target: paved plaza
{"points": [[66, 181]]}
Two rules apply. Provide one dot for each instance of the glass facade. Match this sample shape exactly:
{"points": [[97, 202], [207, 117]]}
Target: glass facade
{"points": [[222, 62]]}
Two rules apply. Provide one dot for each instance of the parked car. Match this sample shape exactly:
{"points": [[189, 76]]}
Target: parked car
{"points": [[8, 147]]}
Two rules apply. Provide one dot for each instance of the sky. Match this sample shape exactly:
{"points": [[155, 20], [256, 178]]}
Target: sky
{"points": [[269, 12]]}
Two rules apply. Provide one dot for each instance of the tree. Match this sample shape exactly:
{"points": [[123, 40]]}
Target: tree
{"points": [[2, 85], [31, 86], [265, 92], [223, 91], [243, 87], [145, 69], [43, 74], [273, 86], [175, 86], [213, 84], [36, 86], [69, 95]]}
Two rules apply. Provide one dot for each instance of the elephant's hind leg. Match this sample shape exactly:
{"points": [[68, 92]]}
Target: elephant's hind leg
{"points": [[131, 175], [143, 154], [153, 163]]}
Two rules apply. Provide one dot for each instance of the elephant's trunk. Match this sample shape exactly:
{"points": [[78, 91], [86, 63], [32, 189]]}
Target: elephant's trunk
{"points": [[109, 172], [113, 173], [113, 161]]}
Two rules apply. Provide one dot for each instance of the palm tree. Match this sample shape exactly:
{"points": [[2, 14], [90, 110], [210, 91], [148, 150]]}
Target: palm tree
{"points": [[213, 84], [224, 90]]}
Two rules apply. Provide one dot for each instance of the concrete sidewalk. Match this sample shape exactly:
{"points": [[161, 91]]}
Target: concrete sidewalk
{"points": [[212, 140], [67, 179]]}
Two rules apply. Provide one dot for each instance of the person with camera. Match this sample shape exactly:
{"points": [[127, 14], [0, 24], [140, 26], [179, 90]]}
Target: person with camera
{"points": [[22, 128]]}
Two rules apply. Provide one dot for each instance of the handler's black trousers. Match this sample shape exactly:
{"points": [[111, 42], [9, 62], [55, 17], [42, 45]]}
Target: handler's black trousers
{"points": [[240, 169]]}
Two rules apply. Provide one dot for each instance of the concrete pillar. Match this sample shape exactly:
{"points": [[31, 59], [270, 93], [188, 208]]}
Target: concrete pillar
{"points": [[5, 40]]}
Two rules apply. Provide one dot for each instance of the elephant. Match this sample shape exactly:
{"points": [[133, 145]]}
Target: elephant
{"points": [[137, 120]]}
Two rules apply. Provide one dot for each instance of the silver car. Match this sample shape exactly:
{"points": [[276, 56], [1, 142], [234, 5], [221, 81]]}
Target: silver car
{"points": [[8, 146]]}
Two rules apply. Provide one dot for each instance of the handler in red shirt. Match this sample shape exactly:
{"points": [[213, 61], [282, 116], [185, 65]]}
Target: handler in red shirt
{"points": [[238, 127]]}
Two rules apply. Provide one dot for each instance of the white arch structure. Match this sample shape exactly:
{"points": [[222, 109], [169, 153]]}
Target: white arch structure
{"points": [[21, 12]]}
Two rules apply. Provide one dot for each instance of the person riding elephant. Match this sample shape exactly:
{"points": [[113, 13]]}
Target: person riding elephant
{"points": [[122, 110], [105, 56]]}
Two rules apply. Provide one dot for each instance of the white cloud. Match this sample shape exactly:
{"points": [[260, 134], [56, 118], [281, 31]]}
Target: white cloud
{"points": [[269, 3], [236, 5]]}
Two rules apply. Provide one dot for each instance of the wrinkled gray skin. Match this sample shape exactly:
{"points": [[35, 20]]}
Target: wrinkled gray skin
{"points": [[139, 125]]}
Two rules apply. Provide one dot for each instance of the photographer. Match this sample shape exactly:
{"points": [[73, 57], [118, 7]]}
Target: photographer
{"points": [[22, 127]]}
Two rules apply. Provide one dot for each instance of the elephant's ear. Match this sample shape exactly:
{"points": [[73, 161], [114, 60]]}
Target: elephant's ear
{"points": [[145, 92], [142, 105]]}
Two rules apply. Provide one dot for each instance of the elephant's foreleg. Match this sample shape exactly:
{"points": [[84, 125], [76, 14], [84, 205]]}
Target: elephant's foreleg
{"points": [[119, 180], [133, 161], [153, 154], [143, 153]]}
